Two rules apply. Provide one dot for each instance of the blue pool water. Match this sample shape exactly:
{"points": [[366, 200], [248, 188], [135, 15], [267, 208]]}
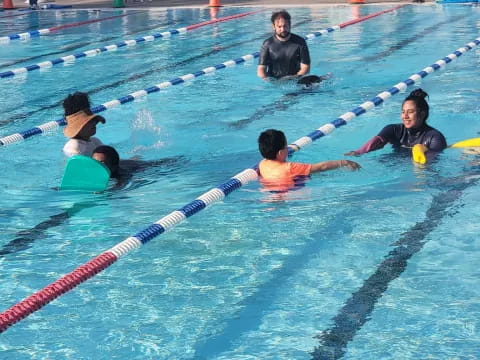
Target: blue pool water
{"points": [[377, 264]]}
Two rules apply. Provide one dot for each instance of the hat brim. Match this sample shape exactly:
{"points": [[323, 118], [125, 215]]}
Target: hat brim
{"points": [[77, 121]]}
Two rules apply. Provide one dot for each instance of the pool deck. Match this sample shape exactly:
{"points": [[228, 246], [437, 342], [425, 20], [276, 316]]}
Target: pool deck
{"points": [[105, 4]]}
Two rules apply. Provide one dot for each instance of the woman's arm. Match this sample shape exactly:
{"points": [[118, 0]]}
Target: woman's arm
{"points": [[373, 144]]}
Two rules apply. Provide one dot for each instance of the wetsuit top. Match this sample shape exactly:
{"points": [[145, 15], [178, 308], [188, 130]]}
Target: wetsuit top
{"points": [[283, 58], [399, 136]]}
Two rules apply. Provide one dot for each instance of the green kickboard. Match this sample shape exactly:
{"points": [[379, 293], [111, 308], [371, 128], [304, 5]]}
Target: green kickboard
{"points": [[85, 173]]}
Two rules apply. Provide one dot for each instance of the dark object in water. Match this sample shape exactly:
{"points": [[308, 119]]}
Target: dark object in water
{"points": [[309, 80]]}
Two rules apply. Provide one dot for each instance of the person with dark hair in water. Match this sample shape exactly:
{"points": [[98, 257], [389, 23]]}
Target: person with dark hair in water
{"points": [[108, 156], [81, 125], [284, 53], [413, 131], [279, 174], [123, 170]]}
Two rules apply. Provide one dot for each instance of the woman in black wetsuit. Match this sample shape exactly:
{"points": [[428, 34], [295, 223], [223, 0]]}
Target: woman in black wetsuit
{"points": [[413, 130]]}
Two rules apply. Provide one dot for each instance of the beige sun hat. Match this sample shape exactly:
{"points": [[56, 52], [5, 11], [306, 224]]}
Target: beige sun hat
{"points": [[76, 122]]}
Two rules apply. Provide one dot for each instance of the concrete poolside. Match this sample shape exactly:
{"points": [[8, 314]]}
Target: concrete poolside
{"points": [[197, 3]]}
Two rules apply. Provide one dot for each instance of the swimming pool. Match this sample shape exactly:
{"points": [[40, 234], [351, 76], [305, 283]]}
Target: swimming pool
{"points": [[379, 264]]}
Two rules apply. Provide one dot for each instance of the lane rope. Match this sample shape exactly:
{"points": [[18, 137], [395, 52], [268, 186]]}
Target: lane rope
{"points": [[4, 40], [114, 47], [56, 124], [82, 273]]}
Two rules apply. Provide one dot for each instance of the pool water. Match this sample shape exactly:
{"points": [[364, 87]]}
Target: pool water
{"points": [[375, 264]]}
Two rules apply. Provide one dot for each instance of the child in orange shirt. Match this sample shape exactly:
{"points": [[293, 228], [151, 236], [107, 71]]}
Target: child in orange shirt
{"points": [[275, 168]]}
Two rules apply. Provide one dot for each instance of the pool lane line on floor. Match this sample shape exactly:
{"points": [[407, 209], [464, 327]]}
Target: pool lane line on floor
{"points": [[357, 309], [55, 124], [5, 40], [125, 43], [84, 272], [157, 169], [251, 309], [24, 12]]}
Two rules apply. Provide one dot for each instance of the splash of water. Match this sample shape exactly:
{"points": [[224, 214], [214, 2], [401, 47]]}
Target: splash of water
{"points": [[145, 133]]}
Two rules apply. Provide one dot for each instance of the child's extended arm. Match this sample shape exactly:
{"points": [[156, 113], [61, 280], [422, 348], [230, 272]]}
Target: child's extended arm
{"points": [[334, 164]]}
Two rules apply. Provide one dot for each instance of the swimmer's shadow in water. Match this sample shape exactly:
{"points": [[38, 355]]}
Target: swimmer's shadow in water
{"points": [[151, 169]]}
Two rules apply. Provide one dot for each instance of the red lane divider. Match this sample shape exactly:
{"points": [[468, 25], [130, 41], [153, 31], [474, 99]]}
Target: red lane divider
{"points": [[54, 290], [226, 18], [366, 17]]}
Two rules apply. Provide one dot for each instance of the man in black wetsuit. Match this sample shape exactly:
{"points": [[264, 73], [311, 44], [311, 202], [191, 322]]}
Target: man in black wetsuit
{"points": [[283, 54]]}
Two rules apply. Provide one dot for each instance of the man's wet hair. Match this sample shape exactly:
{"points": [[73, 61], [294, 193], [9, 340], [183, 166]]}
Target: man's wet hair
{"points": [[76, 102], [281, 14], [270, 142], [113, 159]]}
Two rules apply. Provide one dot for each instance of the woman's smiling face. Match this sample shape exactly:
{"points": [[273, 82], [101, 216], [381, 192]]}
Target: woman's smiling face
{"points": [[410, 117]]}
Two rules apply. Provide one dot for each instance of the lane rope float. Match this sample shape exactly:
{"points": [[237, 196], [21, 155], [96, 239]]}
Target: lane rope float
{"points": [[29, 34]]}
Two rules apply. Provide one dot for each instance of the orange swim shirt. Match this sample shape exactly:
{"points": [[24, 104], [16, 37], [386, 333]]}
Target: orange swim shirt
{"points": [[272, 170]]}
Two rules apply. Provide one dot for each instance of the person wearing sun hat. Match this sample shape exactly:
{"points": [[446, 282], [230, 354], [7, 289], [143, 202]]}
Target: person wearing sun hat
{"points": [[81, 125]]}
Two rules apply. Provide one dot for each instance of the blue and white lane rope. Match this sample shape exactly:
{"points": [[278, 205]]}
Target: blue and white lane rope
{"points": [[29, 34], [250, 174], [54, 125], [23, 36], [84, 272], [114, 47]]}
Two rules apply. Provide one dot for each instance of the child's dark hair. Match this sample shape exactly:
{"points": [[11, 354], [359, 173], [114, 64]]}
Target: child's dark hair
{"points": [[418, 97], [283, 14], [270, 142], [113, 159], [76, 102]]}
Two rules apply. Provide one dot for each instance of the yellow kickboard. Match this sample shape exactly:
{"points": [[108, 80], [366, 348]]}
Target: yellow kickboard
{"points": [[473, 142]]}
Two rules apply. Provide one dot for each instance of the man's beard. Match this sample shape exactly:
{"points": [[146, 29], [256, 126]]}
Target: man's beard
{"points": [[284, 34]]}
